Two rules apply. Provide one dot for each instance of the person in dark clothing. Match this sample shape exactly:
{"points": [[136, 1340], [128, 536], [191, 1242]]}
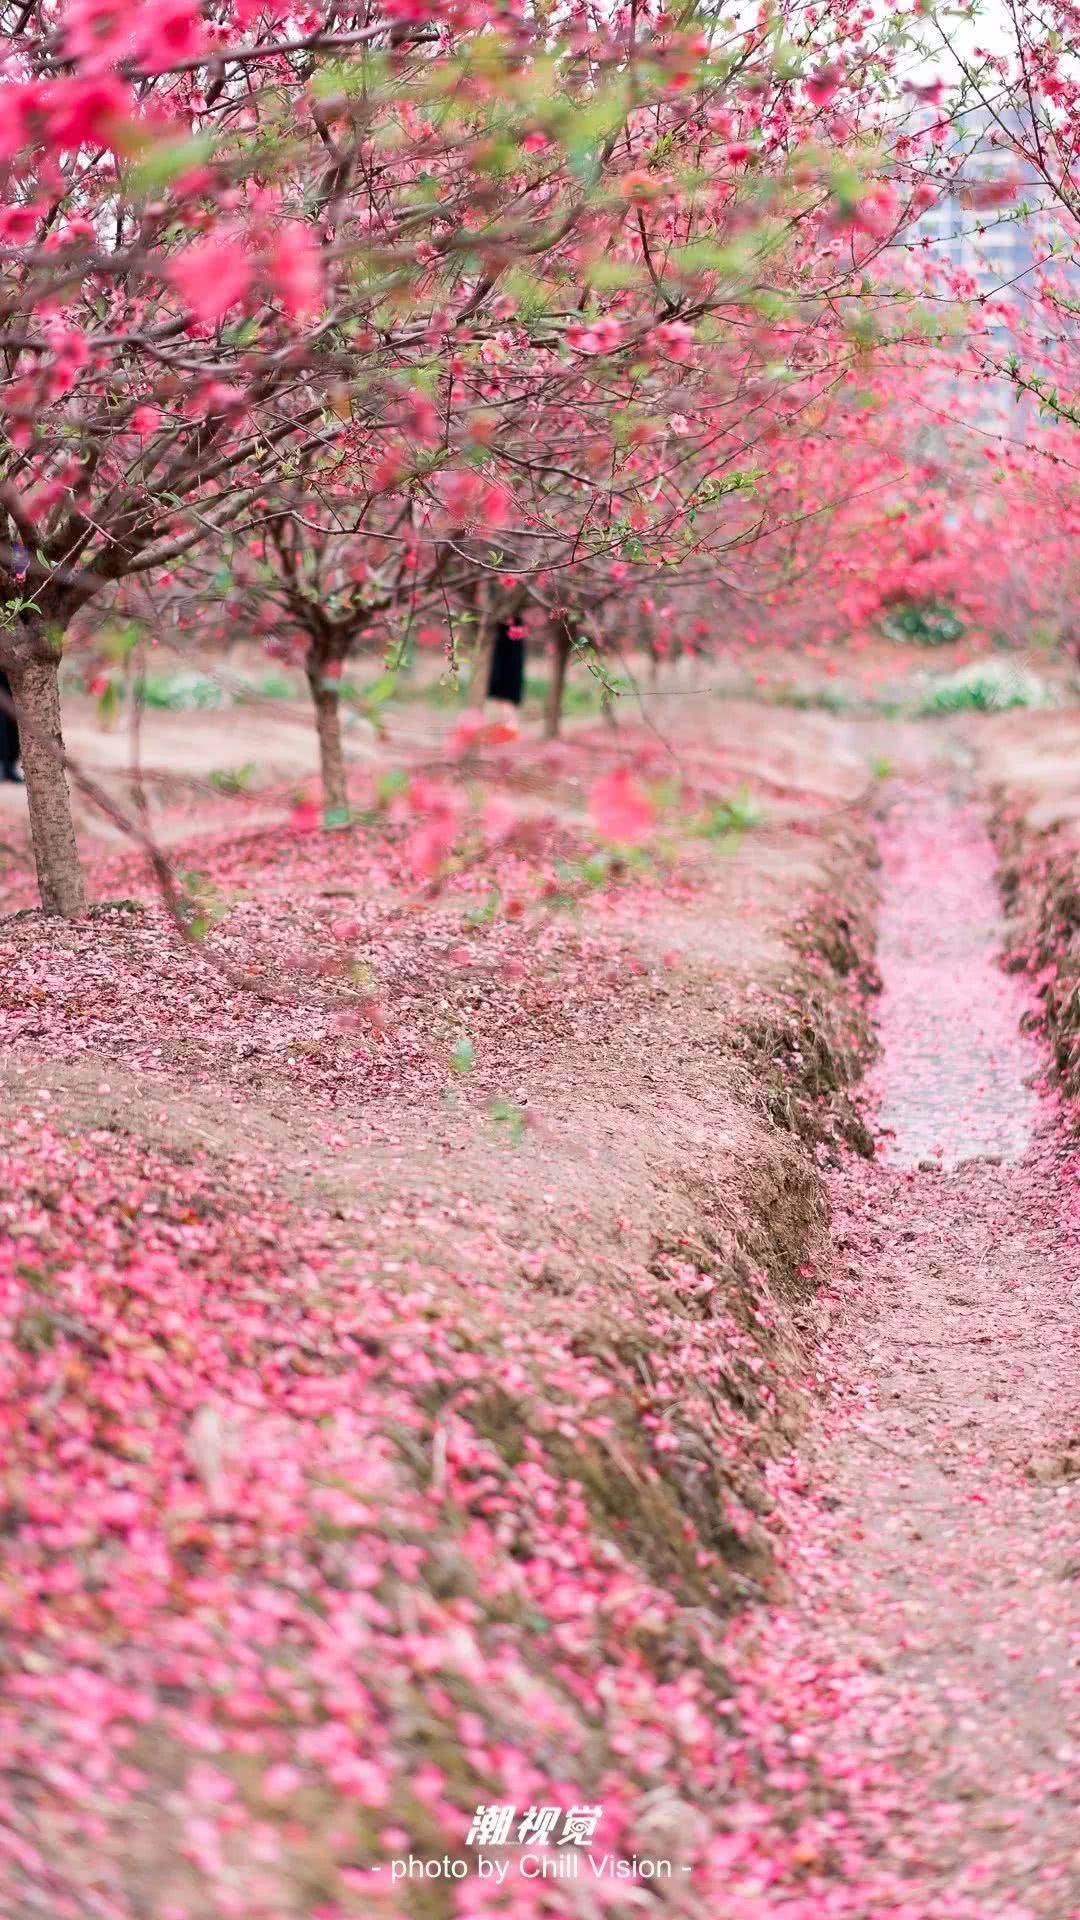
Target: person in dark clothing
{"points": [[506, 680], [9, 734]]}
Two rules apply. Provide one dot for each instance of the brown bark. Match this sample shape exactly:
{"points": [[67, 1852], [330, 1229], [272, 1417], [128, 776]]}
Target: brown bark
{"points": [[557, 684], [35, 689], [327, 702], [481, 668]]}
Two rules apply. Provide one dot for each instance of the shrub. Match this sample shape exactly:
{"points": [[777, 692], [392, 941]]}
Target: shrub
{"points": [[929, 623]]}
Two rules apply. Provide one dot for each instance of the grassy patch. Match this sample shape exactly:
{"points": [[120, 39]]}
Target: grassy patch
{"points": [[183, 692], [728, 818], [233, 779], [986, 686]]}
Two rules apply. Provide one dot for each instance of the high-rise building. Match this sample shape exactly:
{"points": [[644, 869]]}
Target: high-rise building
{"points": [[996, 246]]}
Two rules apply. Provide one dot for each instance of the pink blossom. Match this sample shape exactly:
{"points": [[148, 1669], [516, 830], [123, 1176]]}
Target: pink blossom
{"points": [[96, 31], [619, 810], [467, 732], [602, 337], [825, 83], [80, 111], [439, 811], [282, 1780], [469, 499], [169, 31], [211, 275], [295, 266], [19, 224], [674, 338]]}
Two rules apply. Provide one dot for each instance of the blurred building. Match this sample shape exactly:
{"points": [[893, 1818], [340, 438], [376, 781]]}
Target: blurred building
{"points": [[995, 247]]}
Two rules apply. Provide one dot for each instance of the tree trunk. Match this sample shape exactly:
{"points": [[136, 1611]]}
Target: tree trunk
{"points": [[557, 684], [327, 699], [486, 624], [35, 690]]}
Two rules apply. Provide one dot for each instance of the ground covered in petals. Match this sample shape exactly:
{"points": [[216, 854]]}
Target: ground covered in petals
{"points": [[393, 1359], [458, 1352]]}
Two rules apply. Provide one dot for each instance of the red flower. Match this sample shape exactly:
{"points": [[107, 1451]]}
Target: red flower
{"points": [[989, 193], [18, 224], [82, 113], [306, 817]]}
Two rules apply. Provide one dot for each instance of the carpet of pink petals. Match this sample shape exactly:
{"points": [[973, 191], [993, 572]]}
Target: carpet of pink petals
{"points": [[277, 1605]]}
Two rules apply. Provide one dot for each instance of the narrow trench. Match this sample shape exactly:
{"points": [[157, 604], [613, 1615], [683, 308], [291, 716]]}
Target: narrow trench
{"points": [[954, 1072], [922, 1679]]}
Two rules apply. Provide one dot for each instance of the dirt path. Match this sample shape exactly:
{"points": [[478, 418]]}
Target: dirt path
{"points": [[929, 1663], [954, 1066]]}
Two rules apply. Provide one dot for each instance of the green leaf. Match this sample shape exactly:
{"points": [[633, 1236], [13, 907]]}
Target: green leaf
{"points": [[119, 643], [233, 779], [164, 160], [463, 1057], [613, 273], [727, 819], [390, 784], [508, 1120], [481, 916], [349, 76], [379, 691]]}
